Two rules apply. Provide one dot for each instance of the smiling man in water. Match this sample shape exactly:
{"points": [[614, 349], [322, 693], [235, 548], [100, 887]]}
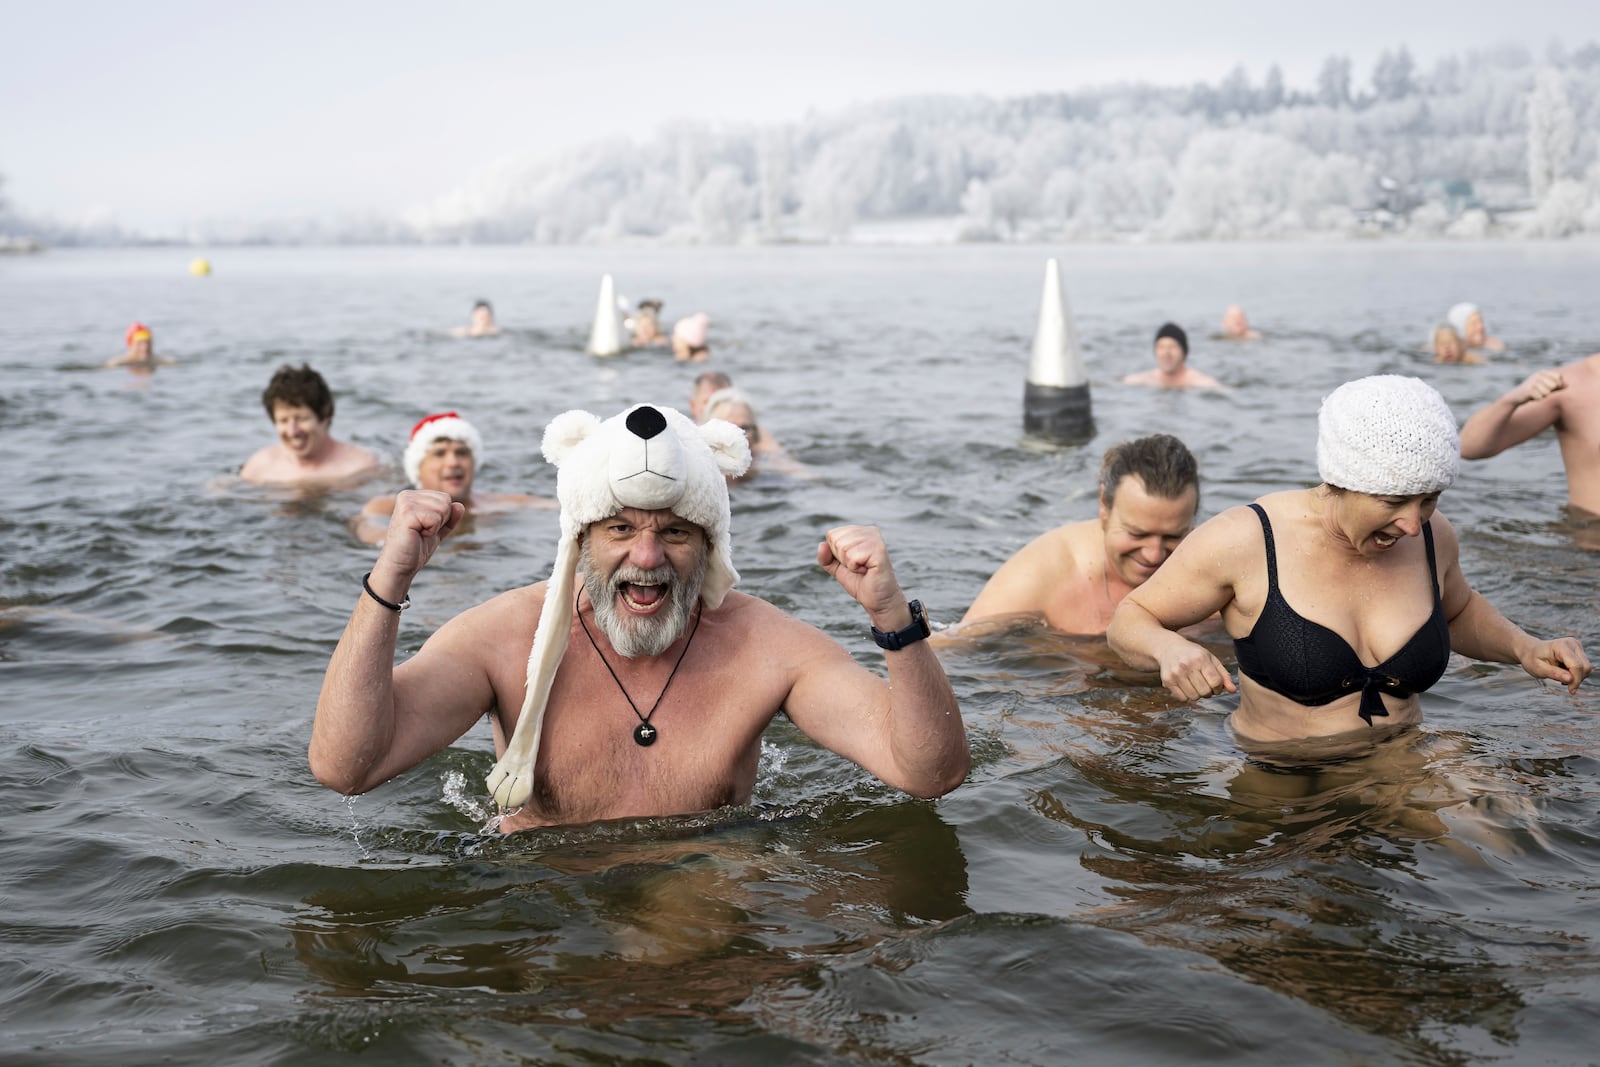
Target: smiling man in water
{"points": [[300, 405], [1075, 575], [648, 683], [443, 455]]}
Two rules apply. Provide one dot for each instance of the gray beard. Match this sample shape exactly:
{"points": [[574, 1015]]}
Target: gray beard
{"points": [[631, 635]]}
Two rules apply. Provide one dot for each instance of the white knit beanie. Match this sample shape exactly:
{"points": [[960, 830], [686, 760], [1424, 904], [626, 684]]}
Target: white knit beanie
{"points": [[445, 426], [648, 457], [1459, 314], [1387, 435]]}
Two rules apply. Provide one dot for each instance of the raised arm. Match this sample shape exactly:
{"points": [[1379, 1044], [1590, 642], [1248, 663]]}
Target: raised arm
{"points": [[1530, 408], [374, 721], [1195, 582], [1479, 631], [907, 731]]}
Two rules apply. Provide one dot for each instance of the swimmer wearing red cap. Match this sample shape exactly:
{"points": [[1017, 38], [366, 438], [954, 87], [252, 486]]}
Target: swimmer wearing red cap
{"points": [[442, 455], [140, 350]]}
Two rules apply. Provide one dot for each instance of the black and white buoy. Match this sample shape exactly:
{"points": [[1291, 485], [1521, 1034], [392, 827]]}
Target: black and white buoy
{"points": [[1055, 401]]}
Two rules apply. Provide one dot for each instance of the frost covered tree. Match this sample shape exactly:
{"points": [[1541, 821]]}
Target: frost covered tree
{"points": [[1392, 75], [1552, 132], [1333, 82]]}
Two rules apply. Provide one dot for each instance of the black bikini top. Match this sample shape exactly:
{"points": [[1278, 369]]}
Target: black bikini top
{"points": [[1312, 665]]}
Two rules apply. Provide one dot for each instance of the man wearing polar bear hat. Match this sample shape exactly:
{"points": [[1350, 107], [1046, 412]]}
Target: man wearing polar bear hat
{"points": [[635, 681]]}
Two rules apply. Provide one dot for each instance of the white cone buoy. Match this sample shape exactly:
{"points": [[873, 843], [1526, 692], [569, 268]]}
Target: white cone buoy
{"points": [[1055, 401], [605, 338]]}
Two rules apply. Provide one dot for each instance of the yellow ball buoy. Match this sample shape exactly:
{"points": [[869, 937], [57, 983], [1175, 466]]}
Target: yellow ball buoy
{"points": [[200, 267]]}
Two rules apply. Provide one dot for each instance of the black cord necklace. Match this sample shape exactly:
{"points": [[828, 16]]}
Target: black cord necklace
{"points": [[644, 734]]}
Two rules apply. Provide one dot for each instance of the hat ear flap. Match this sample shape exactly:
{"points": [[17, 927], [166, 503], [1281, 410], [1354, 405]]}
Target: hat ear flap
{"points": [[566, 432], [729, 446]]}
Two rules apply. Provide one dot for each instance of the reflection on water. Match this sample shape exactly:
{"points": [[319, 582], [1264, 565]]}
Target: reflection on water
{"points": [[1117, 882]]}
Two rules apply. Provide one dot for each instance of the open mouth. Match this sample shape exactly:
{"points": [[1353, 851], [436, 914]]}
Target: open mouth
{"points": [[643, 598], [1383, 540]]}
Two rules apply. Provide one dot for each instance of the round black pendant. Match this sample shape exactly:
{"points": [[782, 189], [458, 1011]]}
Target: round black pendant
{"points": [[644, 734]]}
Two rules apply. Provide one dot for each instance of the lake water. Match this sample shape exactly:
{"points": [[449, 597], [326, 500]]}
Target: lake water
{"points": [[1114, 884]]}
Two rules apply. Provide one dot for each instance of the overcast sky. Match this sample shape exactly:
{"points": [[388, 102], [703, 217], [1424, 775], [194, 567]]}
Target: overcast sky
{"points": [[160, 112]]}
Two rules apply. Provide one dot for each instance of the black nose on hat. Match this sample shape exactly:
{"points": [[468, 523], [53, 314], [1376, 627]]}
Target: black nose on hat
{"points": [[645, 422]]}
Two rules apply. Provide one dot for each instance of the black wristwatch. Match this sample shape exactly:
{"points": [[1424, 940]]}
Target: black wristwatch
{"points": [[910, 635]]}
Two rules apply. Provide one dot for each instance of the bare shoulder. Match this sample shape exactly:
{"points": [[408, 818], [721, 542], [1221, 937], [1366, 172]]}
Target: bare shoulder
{"points": [[260, 465], [483, 627], [1224, 542], [1446, 545]]}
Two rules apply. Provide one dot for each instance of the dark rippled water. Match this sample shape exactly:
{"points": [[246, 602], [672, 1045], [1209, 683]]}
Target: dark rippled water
{"points": [[1115, 884]]}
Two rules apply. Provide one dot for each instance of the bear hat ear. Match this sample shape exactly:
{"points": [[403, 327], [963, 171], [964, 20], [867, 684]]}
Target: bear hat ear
{"points": [[566, 432], [728, 444]]}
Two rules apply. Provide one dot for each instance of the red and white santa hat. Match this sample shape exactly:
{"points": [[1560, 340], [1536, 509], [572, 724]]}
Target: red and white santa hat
{"points": [[445, 426]]}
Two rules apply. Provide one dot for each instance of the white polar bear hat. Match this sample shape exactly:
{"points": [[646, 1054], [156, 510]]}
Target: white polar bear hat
{"points": [[648, 457]]}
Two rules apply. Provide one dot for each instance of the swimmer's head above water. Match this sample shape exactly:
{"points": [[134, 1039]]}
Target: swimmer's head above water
{"points": [[444, 453]]}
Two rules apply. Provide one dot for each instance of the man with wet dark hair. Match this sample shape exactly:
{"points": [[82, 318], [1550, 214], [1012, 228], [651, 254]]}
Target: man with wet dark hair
{"points": [[1074, 576], [300, 405]]}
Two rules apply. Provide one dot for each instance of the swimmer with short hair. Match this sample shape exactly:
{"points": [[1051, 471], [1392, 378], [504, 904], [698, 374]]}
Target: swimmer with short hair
{"points": [[1172, 370], [1447, 346], [1236, 327], [647, 325], [300, 404], [482, 324], [706, 383], [443, 455], [1074, 576]]}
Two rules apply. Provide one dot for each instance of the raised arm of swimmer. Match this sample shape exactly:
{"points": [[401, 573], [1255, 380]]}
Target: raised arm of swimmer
{"points": [[362, 735], [916, 742], [1531, 408]]}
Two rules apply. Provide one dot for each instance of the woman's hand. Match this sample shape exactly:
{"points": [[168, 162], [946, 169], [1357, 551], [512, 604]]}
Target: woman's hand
{"points": [[1562, 660]]}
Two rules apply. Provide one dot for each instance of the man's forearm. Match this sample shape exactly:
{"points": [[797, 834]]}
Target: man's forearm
{"points": [[354, 724], [926, 734]]}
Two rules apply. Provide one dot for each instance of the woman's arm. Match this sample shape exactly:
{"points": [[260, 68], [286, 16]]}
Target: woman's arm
{"points": [[1195, 582]]}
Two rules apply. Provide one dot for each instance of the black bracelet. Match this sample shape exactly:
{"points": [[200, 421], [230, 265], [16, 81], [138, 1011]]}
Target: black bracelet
{"points": [[396, 608]]}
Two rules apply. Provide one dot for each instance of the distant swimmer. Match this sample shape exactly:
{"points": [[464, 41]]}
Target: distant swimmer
{"points": [[1567, 398], [140, 352], [1074, 576], [482, 324], [735, 406], [647, 325], [1447, 346], [1235, 327], [636, 682], [443, 455], [1172, 370], [705, 384], [1468, 322], [689, 338], [300, 405]]}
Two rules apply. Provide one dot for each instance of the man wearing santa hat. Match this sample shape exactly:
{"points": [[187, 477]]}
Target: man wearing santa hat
{"points": [[636, 681], [443, 455]]}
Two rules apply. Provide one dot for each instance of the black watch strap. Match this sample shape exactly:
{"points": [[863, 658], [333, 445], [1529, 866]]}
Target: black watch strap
{"points": [[910, 635]]}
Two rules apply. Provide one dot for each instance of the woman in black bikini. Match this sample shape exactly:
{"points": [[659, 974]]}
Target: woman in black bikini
{"points": [[1344, 601]]}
